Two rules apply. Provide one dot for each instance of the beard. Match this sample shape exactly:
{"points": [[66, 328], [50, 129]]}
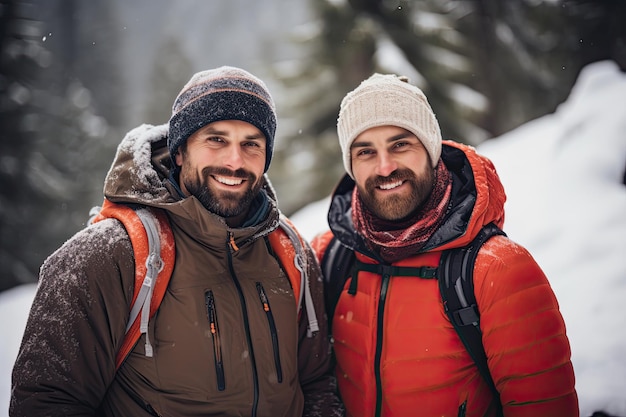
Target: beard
{"points": [[397, 207], [222, 203]]}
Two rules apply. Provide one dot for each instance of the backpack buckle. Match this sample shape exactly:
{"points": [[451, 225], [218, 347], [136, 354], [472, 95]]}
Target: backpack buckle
{"points": [[466, 316]]}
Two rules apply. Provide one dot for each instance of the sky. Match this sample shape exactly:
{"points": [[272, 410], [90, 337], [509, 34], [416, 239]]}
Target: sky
{"points": [[566, 203]]}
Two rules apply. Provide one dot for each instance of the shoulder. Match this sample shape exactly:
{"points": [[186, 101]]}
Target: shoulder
{"points": [[96, 239], [320, 243], [501, 254], [505, 269], [290, 245], [96, 249]]}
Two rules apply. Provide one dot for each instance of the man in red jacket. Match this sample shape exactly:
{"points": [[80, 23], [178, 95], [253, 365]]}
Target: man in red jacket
{"points": [[407, 197]]}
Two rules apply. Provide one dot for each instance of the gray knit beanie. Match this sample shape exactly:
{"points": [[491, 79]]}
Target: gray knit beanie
{"points": [[224, 93], [387, 100]]}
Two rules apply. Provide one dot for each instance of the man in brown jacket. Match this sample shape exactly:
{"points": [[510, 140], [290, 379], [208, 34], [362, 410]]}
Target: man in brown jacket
{"points": [[226, 339]]}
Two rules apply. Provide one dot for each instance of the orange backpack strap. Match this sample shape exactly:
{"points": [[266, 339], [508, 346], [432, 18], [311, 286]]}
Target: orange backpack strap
{"points": [[154, 252], [289, 247]]}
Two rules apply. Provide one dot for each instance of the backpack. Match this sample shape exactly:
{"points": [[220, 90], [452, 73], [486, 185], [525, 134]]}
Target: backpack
{"points": [[455, 275], [154, 253]]}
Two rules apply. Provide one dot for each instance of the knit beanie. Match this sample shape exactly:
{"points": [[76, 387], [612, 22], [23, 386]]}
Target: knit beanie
{"points": [[224, 93], [387, 100]]}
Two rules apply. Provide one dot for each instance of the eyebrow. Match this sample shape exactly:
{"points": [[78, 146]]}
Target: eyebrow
{"points": [[395, 138], [212, 131]]}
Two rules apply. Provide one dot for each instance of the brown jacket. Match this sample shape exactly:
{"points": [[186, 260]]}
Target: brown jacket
{"points": [[255, 362]]}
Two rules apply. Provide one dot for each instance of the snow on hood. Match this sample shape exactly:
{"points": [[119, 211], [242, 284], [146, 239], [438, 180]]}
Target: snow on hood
{"points": [[133, 176]]}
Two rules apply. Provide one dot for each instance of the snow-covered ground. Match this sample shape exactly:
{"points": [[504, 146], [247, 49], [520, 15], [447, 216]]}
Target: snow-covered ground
{"points": [[566, 203]]}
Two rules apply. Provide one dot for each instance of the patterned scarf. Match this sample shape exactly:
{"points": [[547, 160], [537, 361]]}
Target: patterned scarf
{"points": [[394, 240]]}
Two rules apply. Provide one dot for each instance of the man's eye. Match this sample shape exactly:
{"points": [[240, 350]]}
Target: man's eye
{"points": [[215, 140], [400, 144]]}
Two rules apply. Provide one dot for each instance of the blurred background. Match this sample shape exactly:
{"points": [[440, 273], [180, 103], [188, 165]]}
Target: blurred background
{"points": [[75, 76]]}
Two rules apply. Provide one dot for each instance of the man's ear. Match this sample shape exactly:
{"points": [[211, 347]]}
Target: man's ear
{"points": [[178, 158]]}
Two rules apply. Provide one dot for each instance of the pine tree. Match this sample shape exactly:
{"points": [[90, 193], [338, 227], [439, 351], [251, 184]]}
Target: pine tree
{"points": [[21, 58], [56, 147], [485, 66], [166, 79], [340, 54]]}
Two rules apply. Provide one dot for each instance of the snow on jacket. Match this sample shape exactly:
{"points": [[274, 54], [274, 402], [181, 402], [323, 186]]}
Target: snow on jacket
{"points": [[66, 363], [395, 346]]}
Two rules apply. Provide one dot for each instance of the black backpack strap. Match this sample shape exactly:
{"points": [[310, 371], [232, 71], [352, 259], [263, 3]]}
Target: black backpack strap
{"points": [[336, 267], [456, 284], [424, 272], [339, 263]]}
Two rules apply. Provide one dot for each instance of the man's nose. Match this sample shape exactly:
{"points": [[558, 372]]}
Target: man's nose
{"points": [[385, 164], [233, 157]]}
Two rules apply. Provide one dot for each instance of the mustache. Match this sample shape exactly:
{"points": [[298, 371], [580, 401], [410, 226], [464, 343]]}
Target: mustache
{"points": [[397, 175], [225, 172]]}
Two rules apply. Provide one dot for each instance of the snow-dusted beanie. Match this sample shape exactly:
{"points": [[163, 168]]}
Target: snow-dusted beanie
{"points": [[387, 100], [224, 93]]}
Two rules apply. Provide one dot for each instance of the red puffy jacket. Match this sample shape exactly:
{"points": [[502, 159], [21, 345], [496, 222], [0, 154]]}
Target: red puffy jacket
{"points": [[399, 355]]}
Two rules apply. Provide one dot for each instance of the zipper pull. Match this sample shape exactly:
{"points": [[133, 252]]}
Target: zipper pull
{"points": [[462, 409], [263, 296], [231, 242], [217, 348]]}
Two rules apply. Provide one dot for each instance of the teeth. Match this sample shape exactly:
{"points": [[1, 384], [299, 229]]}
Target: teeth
{"points": [[390, 185], [229, 181]]}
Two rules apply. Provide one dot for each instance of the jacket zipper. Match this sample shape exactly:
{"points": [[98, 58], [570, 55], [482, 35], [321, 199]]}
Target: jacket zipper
{"points": [[270, 320], [143, 404], [215, 334], [386, 276], [152, 411], [230, 244], [462, 409]]}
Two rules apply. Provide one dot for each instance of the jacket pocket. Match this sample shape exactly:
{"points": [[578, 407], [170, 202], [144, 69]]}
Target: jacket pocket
{"points": [[273, 333], [215, 334]]}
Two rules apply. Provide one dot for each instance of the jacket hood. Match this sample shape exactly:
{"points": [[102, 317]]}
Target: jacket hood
{"points": [[141, 168], [477, 199]]}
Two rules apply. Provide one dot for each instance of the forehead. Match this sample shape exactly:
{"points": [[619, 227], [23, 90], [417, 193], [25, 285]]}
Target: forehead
{"points": [[381, 135], [228, 127]]}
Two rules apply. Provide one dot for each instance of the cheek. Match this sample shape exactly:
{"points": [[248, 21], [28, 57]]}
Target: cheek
{"points": [[360, 172], [202, 158], [256, 163]]}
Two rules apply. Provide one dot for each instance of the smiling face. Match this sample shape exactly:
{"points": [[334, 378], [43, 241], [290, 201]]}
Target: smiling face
{"points": [[222, 166], [392, 171]]}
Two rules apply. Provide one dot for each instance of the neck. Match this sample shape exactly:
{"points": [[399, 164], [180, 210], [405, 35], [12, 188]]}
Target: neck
{"points": [[236, 221]]}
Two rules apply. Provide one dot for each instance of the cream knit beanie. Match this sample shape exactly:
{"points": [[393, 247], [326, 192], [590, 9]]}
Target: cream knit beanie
{"points": [[387, 100]]}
